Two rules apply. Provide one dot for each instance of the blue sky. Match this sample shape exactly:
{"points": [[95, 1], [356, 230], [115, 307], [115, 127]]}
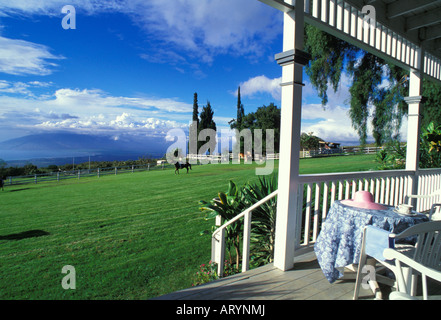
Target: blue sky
{"points": [[132, 67]]}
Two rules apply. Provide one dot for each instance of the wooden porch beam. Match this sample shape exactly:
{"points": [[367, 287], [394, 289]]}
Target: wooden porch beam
{"points": [[423, 20], [399, 8], [433, 33], [279, 5]]}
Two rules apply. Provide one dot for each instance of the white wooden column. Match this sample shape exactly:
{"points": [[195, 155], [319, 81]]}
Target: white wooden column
{"points": [[292, 60], [414, 101]]}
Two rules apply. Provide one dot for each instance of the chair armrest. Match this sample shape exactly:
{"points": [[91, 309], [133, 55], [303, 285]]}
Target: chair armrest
{"points": [[429, 272]]}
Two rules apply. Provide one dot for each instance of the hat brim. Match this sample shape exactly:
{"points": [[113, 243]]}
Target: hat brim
{"points": [[363, 205]]}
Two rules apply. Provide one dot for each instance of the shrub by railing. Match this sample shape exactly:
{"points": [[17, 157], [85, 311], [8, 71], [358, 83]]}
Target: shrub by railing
{"points": [[218, 236]]}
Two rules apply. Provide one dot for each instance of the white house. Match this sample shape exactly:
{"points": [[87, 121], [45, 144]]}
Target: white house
{"points": [[406, 33]]}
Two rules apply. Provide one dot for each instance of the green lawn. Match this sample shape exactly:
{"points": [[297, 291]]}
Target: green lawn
{"points": [[130, 236], [338, 164]]}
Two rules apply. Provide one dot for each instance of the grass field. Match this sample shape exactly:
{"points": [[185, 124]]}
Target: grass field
{"points": [[130, 236]]}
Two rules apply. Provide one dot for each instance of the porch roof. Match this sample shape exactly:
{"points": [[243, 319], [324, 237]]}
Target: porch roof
{"points": [[399, 29]]}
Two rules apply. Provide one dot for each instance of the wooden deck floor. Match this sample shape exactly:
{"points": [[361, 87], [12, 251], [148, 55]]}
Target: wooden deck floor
{"points": [[305, 281]]}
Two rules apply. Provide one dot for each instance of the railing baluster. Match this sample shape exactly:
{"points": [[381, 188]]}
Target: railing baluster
{"points": [[316, 211], [325, 199], [340, 190], [308, 213], [246, 242]]}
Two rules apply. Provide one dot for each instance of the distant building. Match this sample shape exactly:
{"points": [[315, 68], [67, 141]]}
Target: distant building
{"points": [[329, 147]]}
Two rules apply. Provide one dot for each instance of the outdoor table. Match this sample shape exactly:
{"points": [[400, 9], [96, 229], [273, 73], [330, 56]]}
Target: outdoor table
{"points": [[339, 242]]}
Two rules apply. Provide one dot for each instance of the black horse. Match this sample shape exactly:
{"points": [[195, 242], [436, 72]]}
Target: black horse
{"points": [[182, 166]]}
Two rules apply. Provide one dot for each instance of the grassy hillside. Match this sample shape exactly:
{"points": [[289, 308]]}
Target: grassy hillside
{"points": [[130, 236]]}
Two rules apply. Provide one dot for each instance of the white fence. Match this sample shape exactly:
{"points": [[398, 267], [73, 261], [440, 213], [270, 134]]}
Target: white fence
{"points": [[317, 192], [82, 173], [226, 157], [341, 150]]}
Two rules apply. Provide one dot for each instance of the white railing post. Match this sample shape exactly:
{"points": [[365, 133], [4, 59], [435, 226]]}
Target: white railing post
{"points": [[292, 60], [217, 247], [218, 242], [246, 242]]}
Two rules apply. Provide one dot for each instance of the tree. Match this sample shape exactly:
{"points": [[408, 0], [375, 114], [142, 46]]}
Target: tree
{"points": [[2, 168], [29, 169], [195, 108], [431, 111], [308, 141], [268, 117], [332, 56], [240, 111], [207, 122], [265, 117], [194, 126], [238, 122]]}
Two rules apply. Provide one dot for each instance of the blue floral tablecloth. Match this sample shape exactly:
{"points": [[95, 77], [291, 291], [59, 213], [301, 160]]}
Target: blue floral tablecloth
{"points": [[339, 242]]}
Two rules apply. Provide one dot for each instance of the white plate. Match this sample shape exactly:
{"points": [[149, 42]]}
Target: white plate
{"points": [[404, 214]]}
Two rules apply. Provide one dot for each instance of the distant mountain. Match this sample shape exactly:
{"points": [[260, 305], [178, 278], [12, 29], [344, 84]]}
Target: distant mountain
{"points": [[69, 145]]}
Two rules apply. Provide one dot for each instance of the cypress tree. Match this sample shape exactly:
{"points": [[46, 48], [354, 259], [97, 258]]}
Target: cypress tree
{"points": [[240, 111], [195, 108]]}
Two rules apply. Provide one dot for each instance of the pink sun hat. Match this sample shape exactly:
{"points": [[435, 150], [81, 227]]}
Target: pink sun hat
{"points": [[365, 200]]}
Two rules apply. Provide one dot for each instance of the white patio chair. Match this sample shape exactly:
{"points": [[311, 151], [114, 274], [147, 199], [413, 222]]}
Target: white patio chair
{"points": [[427, 251], [435, 210], [402, 265]]}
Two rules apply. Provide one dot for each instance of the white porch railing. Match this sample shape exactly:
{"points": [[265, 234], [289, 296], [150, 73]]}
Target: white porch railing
{"points": [[429, 180], [218, 237], [389, 187], [319, 191]]}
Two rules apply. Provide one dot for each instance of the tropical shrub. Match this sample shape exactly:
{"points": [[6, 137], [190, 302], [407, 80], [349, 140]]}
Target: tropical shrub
{"points": [[228, 205], [430, 153], [394, 156], [206, 273], [263, 227]]}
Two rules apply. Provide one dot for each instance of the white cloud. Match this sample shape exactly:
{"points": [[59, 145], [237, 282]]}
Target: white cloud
{"points": [[261, 84], [22, 88], [202, 28], [209, 27], [19, 57], [53, 7], [92, 110], [331, 123], [124, 123], [92, 100]]}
